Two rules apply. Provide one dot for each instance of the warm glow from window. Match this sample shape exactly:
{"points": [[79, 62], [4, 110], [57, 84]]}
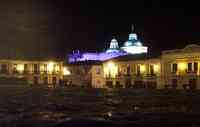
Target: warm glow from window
{"points": [[20, 67], [142, 68], [110, 70], [50, 67], [156, 68], [42, 68], [111, 65], [182, 66], [66, 71], [57, 68]]}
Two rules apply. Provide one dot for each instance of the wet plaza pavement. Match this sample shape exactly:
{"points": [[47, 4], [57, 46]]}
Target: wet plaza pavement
{"points": [[47, 107]]}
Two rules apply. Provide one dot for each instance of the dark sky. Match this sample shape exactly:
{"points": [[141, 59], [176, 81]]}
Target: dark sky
{"points": [[55, 27]]}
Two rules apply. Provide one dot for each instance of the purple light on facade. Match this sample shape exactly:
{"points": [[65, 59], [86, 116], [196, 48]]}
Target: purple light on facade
{"points": [[132, 46], [75, 57]]}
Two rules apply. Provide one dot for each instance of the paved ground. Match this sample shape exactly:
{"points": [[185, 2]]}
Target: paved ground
{"points": [[46, 107]]}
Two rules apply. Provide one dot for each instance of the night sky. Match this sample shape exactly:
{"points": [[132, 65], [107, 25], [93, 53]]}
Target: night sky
{"points": [[47, 28]]}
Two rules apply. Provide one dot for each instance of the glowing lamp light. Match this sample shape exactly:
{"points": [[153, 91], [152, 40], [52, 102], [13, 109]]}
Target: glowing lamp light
{"points": [[142, 68], [182, 66], [156, 68], [57, 68], [42, 69], [66, 71], [111, 70], [50, 67], [20, 67], [135, 49], [111, 65]]}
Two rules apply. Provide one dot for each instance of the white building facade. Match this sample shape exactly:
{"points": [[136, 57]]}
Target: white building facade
{"points": [[174, 69]]}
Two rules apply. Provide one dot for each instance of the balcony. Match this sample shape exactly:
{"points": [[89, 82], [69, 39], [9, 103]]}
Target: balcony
{"points": [[16, 72], [44, 72], [174, 72], [151, 76], [127, 75], [184, 73], [189, 86], [26, 72], [36, 72], [109, 78], [192, 73], [54, 72]]}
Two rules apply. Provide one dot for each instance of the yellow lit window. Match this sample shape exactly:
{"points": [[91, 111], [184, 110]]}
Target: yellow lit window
{"points": [[111, 70], [66, 71], [142, 68], [182, 66], [50, 67], [20, 68]]}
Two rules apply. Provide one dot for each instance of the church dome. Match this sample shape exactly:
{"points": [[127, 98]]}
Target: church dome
{"points": [[113, 46], [128, 43]]}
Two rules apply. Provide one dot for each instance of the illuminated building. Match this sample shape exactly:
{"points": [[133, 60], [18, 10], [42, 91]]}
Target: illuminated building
{"points": [[46, 72], [174, 69], [182, 67], [132, 71], [88, 56]]}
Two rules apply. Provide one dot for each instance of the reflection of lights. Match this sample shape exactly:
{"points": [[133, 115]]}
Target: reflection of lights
{"points": [[50, 66], [182, 66], [20, 67], [109, 114], [66, 71], [136, 108], [111, 70], [68, 119]]}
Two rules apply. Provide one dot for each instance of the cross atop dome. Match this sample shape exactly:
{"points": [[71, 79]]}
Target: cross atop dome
{"points": [[132, 28]]}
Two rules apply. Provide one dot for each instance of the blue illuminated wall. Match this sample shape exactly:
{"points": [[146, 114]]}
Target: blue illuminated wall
{"points": [[94, 56]]}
